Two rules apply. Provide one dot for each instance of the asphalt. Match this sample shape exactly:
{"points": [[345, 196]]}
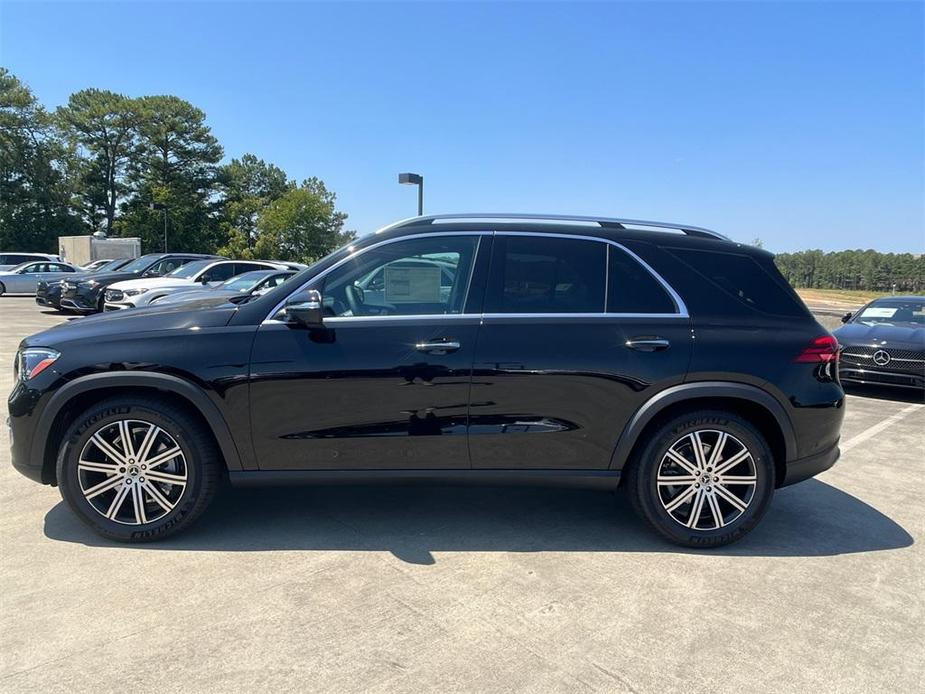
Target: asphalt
{"points": [[414, 589]]}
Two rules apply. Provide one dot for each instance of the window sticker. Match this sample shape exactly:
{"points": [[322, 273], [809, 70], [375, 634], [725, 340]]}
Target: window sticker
{"points": [[412, 285], [879, 312]]}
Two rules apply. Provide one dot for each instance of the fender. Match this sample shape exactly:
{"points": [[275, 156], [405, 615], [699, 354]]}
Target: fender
{"points": [[173, 384], [701, 389]]}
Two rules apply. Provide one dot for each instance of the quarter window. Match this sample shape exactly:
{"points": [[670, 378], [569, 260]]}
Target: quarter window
{"points": [[414, 277], [533, 274], [632, 289]]}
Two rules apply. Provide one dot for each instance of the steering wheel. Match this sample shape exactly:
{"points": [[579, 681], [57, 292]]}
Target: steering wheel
{"points": [[355, 299]]}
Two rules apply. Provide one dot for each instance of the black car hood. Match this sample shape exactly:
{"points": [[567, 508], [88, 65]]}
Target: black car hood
{"points": [[186, 316], [896, 335], [106, 277]]}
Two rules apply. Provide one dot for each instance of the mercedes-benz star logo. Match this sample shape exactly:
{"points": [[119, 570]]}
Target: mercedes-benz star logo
{"points": [[881, 357]]}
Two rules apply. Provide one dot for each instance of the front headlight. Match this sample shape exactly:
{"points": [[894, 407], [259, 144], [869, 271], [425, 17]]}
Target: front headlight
{"points": [[135, 292], [89, 284], [32, 361]]}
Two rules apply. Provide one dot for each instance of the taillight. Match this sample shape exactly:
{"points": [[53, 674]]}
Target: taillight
{"points": [[821, 349]]}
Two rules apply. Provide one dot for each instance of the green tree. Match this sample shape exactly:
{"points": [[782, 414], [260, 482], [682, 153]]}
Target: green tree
{"points": [[34, 170], [248, 185], [173, 164], [302, 225], [103, 126]]}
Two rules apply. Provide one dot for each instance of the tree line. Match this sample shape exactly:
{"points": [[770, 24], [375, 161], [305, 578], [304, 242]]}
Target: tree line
{"points": [[113, 163], [867, 270]]}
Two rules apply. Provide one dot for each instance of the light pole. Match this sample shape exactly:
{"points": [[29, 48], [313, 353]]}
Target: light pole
{"points": [[413, 179], [163, 208]]}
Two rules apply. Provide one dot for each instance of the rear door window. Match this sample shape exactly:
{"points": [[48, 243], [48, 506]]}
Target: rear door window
{"points": [[538, 274], [631, 288]]}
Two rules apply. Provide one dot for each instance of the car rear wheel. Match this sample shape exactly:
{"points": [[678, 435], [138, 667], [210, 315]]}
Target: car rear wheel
{"points": [[2, 289], [704, 479], [136, 469]]}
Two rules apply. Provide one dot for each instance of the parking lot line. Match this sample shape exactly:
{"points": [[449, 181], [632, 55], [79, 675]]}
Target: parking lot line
{"points": [[877, 428]]}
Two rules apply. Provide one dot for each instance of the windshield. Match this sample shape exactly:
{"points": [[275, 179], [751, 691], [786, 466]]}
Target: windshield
{"points": [[139, 264], [190, 270], [245, 282], [112, 264], [893, 312]]}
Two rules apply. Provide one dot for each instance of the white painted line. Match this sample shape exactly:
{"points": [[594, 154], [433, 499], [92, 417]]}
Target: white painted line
{"points": [[877, 428]]}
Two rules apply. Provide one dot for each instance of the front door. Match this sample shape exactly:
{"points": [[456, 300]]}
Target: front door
{"points": [[577, 334], [385, 385]]}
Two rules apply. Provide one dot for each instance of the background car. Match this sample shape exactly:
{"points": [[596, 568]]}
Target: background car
{"points": [[85, 295], [249, 284], [48, 292], [140, 292], [884, 343], [24, 278], [11, 260], [97, 264]]}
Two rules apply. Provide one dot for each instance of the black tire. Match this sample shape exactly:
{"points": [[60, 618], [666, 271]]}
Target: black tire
{"points": [[201, 466], [651, 500], [2, 289]]}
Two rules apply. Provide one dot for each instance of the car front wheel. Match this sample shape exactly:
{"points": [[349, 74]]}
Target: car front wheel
{"points": [[704, 479], [136, 470]]}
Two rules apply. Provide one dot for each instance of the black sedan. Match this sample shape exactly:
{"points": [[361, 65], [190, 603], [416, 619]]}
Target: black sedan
{"points": [[884, 343]]}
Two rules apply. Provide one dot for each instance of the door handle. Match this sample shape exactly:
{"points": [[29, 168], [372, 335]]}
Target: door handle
{"points": [[648, 344], [444, 347]]}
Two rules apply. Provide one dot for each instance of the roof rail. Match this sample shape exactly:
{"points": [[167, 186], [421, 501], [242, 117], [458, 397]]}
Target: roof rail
{"points": [[603, 222]]}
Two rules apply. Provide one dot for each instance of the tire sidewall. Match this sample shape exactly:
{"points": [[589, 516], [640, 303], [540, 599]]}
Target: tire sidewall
{"points": [[647, 490], [69, 485]]}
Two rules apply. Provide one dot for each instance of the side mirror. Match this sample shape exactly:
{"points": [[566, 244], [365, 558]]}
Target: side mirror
{"points": [[846, 317], [305, 308]]}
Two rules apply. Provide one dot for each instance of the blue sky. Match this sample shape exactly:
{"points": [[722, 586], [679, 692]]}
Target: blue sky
{"points": [[798, 123]]}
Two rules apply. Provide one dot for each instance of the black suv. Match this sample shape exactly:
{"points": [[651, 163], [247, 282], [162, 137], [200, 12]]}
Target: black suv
{"points": [[492, 348], [86, 294]]}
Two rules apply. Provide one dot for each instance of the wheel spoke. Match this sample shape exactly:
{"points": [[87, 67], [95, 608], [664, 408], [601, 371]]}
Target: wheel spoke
{"points": [[681, 498], [147, 442], [155, 494], [732, 462], [166, 477], [697, 445], [117, 501], [676, 480], [717, 451], [731, 498], [162, 458], [91, 466], [714, 509], [696, 508], [125, 433], [104, 446], [138, 503], [103, 486], [738, 479], [683, 462]]}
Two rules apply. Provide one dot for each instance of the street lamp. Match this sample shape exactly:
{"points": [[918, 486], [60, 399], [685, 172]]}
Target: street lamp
{"points": [[413, 179], [161, 206]]}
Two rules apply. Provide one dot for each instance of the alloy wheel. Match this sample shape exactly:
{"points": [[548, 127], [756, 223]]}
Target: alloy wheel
{"points": [[706, 479], [132, 472]]}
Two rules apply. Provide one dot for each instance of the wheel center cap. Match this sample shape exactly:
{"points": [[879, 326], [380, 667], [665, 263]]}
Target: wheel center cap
{"points": [[133, 471]]}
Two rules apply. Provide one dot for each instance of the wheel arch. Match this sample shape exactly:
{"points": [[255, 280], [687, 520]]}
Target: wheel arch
{"points": [[757, 405], [83, 392]]}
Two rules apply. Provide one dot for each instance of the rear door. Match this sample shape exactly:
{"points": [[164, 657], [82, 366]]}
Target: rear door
{"points": [[577, 333]]}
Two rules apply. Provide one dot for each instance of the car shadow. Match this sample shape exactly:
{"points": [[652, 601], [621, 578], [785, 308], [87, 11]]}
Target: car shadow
{"points": [[911, 395], [413, 522]]}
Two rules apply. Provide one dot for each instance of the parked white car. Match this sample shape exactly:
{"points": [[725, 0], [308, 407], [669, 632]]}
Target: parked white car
{"points": [[209, 273], [11, 260], [24, 278]]}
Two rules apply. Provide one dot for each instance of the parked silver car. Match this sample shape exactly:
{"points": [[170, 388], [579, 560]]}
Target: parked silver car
{"points": [[10, 260], [24, 278]]}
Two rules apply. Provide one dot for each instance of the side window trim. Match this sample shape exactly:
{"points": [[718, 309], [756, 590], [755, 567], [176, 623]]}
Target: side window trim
{"points": [[680, 312]]}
